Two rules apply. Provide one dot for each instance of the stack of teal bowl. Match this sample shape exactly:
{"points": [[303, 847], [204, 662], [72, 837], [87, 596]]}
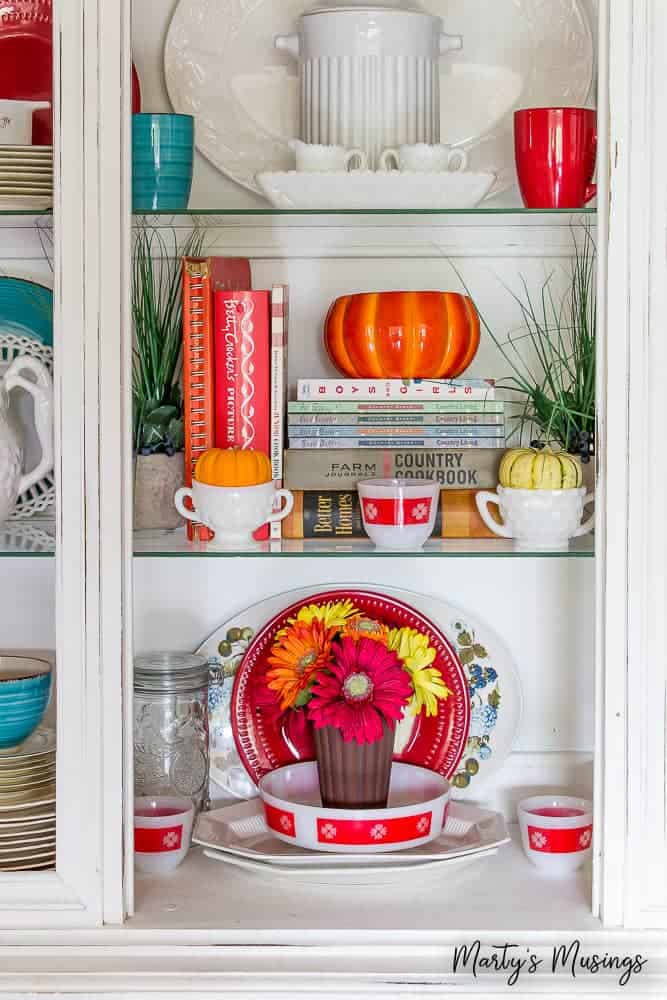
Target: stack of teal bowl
{"points": [[25, 689], [162, 161]]}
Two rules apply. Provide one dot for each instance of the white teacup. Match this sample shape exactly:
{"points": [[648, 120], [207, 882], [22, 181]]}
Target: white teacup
{"points": [[538, 519], [313, 158], [423, 158], [16, 121], [234, 513]]}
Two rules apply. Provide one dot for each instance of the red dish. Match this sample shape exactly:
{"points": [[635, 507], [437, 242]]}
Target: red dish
{"points": [[26, 61], [267, 739]]}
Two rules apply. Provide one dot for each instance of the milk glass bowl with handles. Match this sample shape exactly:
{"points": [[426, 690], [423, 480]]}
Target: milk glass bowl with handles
{"points": [[13, 480], [422, 158], [316, 158]]}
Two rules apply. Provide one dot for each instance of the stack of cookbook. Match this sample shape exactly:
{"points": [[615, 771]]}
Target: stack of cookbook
{"points": [[449, 431]]}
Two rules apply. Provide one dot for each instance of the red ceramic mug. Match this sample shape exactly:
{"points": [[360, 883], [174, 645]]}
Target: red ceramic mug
{"points": [[556, 151]]}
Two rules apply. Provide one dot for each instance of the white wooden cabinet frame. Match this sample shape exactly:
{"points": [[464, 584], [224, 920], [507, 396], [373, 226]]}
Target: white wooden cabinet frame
{"points": [[52, 937]]}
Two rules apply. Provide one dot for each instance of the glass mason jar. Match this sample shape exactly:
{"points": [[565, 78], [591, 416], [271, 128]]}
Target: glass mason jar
{"points": [[171, 754]]}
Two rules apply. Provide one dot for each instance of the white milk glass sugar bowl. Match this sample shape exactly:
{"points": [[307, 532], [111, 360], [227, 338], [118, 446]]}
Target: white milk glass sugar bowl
{"points": [[369, 75], [13, 481]]}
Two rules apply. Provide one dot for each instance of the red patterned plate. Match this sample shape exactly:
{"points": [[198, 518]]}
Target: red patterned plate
{"points": [[267, 739], [26, 61]]}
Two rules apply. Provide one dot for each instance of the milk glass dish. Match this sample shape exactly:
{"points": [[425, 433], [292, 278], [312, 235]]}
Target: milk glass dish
{"points": [[399, 513], [422, 158], [316, 158]]}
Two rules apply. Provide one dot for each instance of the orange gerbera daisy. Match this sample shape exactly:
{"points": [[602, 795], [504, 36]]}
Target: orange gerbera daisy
{"points": [[366, 628], [301, 650]]}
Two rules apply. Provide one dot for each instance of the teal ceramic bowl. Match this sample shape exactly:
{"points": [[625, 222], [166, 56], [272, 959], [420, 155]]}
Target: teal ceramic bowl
{"points": [[25, 689], [162, 162]]}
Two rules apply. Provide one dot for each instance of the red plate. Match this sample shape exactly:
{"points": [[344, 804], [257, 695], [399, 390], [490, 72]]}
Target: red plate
{"points": [[26, 61], [267, 739]]}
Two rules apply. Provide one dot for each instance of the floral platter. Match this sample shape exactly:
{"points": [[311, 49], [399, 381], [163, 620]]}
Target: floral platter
{"points": [[493, 687]]}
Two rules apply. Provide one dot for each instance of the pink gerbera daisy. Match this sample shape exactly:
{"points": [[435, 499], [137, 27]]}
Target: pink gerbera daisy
{"points": [[364, 686]]}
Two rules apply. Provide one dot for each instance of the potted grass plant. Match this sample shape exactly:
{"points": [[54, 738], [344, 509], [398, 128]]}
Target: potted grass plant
{"points": [[158, 431], [551, 358]]}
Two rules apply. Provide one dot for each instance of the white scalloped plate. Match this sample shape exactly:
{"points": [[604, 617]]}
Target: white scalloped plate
{"points": [[222, 67]]}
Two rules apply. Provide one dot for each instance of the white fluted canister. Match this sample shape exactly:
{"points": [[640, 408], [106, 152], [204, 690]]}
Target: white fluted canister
{"points": [[370, 76]]}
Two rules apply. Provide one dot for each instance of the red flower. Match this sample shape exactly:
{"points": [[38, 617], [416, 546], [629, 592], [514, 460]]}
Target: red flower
{"points": [[364, 686]]}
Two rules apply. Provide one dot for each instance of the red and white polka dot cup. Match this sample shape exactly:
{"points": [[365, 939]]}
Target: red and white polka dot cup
{"points": [[556, 832], [162, 832], [399, 513]]}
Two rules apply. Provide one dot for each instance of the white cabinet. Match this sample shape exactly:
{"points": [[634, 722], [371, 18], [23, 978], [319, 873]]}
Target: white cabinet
{"points": [[589, 634]]}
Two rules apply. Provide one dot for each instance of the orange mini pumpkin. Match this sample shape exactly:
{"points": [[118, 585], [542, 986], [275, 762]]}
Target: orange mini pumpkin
{"points": [[402, 334], [233, 467]]}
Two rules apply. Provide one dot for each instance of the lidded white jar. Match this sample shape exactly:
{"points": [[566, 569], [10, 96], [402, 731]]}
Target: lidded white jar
{"points": [[369, 76]]}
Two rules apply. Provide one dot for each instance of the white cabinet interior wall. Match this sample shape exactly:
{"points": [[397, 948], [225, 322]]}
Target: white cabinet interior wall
{"points": [[587, 634]]}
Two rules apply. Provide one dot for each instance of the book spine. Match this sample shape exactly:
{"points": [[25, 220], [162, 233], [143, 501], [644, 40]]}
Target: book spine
{"points": [[400, 432], [394, 420], [279, 336], [336, 514], [341, 470], [243, 390], [485, 406], [313, 443], [198, 373], [393, 389]]}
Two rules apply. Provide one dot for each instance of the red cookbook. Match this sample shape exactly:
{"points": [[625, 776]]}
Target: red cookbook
{"points": [[243, 373]]}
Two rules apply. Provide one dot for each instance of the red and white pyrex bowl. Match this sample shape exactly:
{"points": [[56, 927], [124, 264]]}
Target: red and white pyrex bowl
{"points": [[556, 832], [415, 815]]}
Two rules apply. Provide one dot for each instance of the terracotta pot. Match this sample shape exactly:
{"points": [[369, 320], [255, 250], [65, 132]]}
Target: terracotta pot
{"points": [[353, 775], [156, 480]]}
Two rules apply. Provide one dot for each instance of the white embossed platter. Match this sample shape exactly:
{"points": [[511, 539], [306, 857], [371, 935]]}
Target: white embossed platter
{"points": [[222, 67]]}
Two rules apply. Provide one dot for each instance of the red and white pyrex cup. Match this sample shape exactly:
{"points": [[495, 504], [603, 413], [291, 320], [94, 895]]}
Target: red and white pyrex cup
{"points": [[399, 513]]}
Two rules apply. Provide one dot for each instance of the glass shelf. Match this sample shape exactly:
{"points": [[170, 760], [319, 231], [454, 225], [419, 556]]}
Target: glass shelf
{"points": [[174, 544], [559, 214], [33, 538]]}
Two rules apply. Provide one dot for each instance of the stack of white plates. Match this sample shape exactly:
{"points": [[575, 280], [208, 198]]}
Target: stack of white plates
{"points": [[238, 835], [27, 804], [26, 177]]}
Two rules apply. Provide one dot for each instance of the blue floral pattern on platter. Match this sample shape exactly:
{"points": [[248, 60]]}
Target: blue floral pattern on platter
{"points": [[485, 702]]}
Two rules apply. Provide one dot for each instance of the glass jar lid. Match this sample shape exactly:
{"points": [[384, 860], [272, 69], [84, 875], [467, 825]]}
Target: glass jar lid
{"points": [[167, 672]]}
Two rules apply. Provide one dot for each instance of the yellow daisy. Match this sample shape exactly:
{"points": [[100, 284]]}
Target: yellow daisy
{"points": [[334, 614], [413, 649]]}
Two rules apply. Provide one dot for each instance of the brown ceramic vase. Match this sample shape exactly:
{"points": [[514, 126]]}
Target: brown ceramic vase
{"points": [[353, 775]]}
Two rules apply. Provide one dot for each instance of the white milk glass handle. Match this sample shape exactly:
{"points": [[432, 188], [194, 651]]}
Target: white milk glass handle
{"points": [[390, 160], [588, 525], [483, 500], [356, 159], [458, 161], [181, 496], [287, 509], [42, 394]]}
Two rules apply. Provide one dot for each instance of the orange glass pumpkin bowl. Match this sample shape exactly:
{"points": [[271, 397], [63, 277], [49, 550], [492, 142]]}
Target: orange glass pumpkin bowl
{"points": [[402, 335]]}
